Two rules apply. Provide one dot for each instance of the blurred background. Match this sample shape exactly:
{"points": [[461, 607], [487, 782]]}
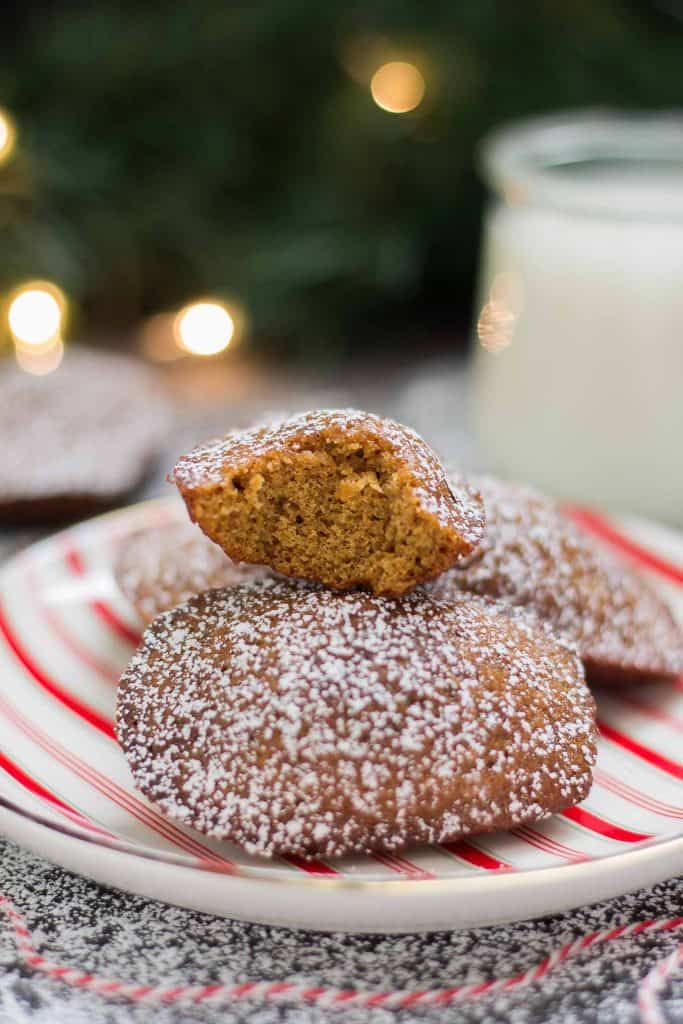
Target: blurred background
{"points": [[298, 180], [253, 151]]}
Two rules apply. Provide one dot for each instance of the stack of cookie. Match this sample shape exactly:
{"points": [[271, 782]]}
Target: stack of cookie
{"points": [[404, 665]]}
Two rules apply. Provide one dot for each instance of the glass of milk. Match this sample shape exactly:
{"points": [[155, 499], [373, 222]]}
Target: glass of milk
{"points": [[579, 350]]}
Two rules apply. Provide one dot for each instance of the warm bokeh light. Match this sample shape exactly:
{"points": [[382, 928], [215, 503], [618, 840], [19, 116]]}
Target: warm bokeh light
{"points": [[8, 135], [495, 327], [204, 328], [36, 312], [40, 361], [498, 318], [157, 338], [397, 87]]}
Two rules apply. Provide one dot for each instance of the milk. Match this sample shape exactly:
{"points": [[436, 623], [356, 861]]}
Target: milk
{"points": [[579, 370]]}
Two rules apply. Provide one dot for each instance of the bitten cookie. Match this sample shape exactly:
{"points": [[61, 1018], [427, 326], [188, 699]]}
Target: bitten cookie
{"points": [[160, 567], [343, 497], [534, 556], [78, 440], [295, 720]]}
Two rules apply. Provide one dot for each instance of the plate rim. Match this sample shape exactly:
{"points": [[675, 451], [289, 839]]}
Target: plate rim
{"points": [[484, 880], [492, 879]]}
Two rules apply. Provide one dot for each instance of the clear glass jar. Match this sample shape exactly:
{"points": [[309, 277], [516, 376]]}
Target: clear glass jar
{"points": [[579, 355]]}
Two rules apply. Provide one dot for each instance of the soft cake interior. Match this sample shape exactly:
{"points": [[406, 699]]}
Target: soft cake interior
{"points": [[344, 514]]}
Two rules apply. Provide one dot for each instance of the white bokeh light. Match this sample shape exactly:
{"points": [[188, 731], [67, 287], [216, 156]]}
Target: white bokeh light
{"points": [[204, 328], [7, 136], [35, 314]]}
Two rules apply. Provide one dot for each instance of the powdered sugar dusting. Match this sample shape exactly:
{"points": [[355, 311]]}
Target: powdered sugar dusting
{"points": [[89, 428], [292, 719], [160, 567], [533, 556], [459, 507], [109, 933]]}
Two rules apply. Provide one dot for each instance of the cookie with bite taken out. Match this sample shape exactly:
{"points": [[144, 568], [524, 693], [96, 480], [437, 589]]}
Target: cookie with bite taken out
{"points": [[341, 497]]}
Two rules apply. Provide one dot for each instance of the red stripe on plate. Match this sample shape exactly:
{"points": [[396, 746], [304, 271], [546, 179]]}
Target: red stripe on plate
{"points": [[74, 561], [635, 796], [604, 827], [101, 782], [72, 644], [403, 866], [110, 789], [131, 636], [477, 857], [50, 685], [311, 867], [25, 780], [136, 808], [665, 764], [39, 790], [548, 845], [603, 528], [133, 806]]}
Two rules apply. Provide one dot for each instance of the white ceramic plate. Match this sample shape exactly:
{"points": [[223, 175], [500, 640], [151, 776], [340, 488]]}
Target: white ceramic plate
{"points": [[66, 792]]}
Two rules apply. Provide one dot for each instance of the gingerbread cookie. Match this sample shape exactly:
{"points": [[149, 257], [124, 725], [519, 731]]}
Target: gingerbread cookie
{"points": [[341, 497], [78, 440], [295, 720], [533, 556], [160, 567]]}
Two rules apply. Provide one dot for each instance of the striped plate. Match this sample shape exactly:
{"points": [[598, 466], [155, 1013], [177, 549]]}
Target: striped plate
{"points": [[65, 790]]}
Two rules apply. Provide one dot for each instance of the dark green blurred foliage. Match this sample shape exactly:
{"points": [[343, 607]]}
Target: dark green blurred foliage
{"points": [[170, 150]]}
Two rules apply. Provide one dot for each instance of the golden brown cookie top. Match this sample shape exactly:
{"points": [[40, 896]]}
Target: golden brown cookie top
{"points": [[343, 497], [206, 464], [160, 567], [533, 556], [290, 718]]}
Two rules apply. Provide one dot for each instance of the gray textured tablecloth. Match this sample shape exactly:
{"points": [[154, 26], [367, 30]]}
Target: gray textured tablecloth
{"points": [[106, 932], [82, 925]]}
